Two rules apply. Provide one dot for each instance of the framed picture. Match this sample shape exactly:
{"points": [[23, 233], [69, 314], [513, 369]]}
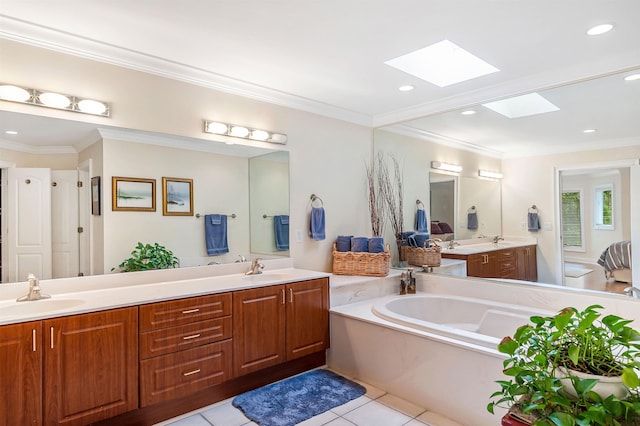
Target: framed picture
{"points": [[95, 196], [133, 194], [177, 195]]}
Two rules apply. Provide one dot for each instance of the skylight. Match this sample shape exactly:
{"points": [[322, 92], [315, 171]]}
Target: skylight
{"points": [[442, 64], [522, 106]]}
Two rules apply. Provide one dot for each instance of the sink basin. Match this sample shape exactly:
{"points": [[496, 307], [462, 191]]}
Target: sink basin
{"points": [[266, 277], [39, 306]]}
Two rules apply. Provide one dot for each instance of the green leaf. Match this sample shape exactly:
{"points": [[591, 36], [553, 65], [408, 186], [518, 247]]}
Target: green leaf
{"points": [[574, 354], [630, 378], [508, 347], [562, 419], [585, 385]]}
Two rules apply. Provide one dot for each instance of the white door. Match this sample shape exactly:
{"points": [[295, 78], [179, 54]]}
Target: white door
{"points": [[29, 223], [84, 217], [64, 224]]}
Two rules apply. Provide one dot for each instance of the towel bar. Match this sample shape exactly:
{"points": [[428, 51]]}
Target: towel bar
{"points": [[232, 216]]}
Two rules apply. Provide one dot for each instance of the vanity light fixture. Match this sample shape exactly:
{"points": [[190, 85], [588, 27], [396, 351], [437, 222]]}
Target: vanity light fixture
{"points": [[446, 167], [243, 132], [25, 95], [488, 174]]}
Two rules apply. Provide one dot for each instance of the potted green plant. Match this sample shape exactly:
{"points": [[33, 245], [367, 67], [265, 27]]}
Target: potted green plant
{"points": [[146, 256], [546, 365]]}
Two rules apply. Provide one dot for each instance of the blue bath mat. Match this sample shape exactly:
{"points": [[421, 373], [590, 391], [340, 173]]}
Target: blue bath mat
{"points": [[299, 398]]}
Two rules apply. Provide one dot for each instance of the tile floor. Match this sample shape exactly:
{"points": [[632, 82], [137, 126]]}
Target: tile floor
{"points": [[375, 408]]}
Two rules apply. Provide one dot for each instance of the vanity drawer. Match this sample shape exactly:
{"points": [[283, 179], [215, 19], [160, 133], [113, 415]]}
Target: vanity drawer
{"points": [[174, 339], [182, 373], [184, 311]]}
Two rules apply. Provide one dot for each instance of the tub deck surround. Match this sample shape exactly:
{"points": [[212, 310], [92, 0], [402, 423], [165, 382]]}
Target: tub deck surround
{"points": [[89, 294]]}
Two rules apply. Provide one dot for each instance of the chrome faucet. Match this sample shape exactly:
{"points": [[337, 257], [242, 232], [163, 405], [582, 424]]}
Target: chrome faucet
{"points": [[452, 244], [497, 238], [241, 259], [256, 267], [632, 291], [34, 290]]}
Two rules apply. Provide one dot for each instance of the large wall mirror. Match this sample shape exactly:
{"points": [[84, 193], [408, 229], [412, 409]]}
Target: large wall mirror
{"points": [[54, 154], [544, 143]]}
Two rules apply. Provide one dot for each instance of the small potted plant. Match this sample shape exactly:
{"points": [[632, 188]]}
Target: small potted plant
{"points": [[146, 256], [556, 363]]}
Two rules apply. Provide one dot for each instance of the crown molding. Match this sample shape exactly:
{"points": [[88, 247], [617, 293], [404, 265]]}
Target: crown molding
{"points": [[60, 41], [406, 130]]}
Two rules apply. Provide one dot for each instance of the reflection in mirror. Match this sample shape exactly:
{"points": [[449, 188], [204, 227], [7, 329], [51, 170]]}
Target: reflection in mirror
{"points": [[585, 206], [442, 190], [485, 196], [220, 175], [269, 203]]}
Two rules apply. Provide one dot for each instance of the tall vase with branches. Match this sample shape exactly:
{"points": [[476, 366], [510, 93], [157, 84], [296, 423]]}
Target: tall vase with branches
{"points": [[377, 202], [392, 190]]}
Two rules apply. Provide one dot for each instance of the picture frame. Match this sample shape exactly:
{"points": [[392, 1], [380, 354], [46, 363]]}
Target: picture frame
{"points": [[95, 196], [177, 196], [133, 194]]}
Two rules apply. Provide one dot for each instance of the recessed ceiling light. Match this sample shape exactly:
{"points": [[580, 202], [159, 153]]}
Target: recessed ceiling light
{"points": [[600, 29], [589, 130], [442, 64], [522, 106], [468, 112], [11, 132], [406, 88], [632, 77]]}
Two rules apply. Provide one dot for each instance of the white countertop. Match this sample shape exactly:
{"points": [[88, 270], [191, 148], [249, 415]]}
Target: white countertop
{"points": [[483, 245], [73, 299]]}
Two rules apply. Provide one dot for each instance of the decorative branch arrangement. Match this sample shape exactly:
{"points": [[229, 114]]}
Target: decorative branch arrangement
{"points": [[377, 202], [392, 191]]}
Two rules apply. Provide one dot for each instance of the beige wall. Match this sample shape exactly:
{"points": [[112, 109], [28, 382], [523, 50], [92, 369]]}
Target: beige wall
{"points": [[327, 155], [47, 161]]}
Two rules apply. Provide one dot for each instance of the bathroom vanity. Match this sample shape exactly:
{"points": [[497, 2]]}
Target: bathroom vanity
{"points": [[509, 260], [145, 353]]}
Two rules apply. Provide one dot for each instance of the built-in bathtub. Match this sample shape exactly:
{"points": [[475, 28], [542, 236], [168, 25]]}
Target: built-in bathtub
{"points": [[437, 351], [476, 321]]}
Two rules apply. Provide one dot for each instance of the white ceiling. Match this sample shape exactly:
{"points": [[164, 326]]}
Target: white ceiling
{"points": [[328, 56]]}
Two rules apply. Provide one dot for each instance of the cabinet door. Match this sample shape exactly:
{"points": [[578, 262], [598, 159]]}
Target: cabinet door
{"points": [[307, 317], [258, 328], [21, 374], [90, 366], [527, 263]]}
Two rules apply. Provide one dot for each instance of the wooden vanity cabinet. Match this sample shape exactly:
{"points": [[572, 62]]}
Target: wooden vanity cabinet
{"points": [[21, 374], [279, 323], [512, 263], [185, 346], [90, 366]]}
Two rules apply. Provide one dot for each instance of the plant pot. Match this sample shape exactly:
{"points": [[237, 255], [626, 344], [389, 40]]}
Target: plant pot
{"points": [[606, 385]]}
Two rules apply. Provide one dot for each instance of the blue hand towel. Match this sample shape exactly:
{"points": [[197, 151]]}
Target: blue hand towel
{"points": [[281, 231], [472, 220], [359, 244], [405, 237], [376, 245], [215, 230], [343, 242], [421, 221], [533, 222], [317, 224]]}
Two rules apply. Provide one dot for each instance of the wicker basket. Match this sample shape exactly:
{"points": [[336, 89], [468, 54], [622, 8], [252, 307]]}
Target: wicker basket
{"points": [[361, 263], [423, 256]]}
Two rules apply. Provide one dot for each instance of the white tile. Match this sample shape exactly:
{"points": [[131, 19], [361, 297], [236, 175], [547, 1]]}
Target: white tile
{"points": [[401, 405], [415, 422], [435, 419], [196, 420], [376, 414], [320, 419], [225, 415], [351, 405], [340, 422]]}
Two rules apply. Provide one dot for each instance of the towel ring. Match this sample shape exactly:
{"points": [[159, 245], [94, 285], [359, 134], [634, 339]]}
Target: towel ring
{"points": [[314, 197], [471, 209], [420, 203], [533, 209]]}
